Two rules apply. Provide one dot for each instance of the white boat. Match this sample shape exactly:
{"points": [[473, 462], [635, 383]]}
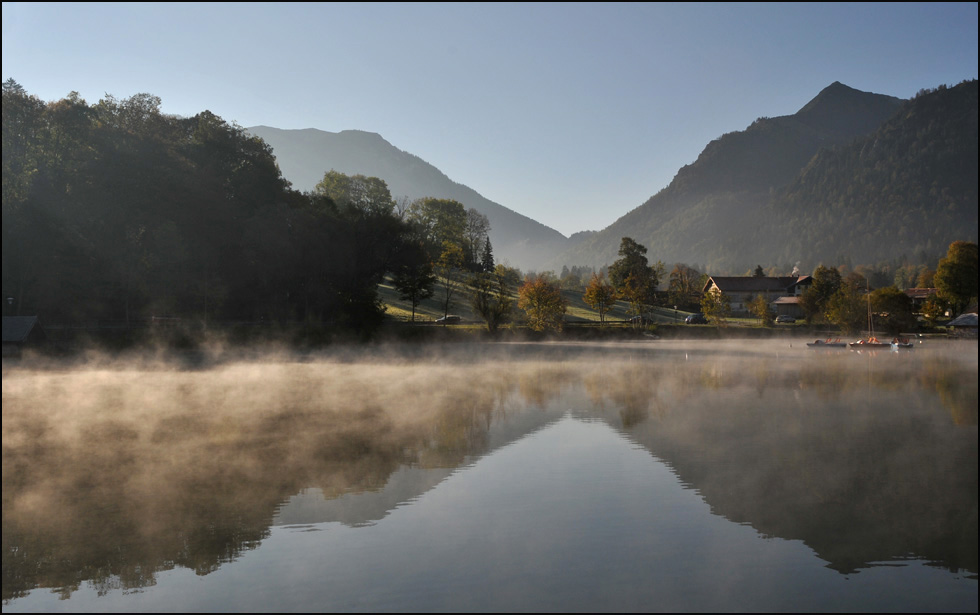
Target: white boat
{"points": [[902, 343]]}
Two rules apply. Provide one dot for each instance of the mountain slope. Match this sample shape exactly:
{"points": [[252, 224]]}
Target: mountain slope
{"points": [[710, 212], [305, 155], [911, 186]]}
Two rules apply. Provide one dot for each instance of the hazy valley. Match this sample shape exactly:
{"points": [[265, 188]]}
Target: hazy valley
{"points": [[850, 178]]}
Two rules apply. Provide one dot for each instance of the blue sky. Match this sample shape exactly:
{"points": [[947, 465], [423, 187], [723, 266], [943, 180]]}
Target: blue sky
{"points": [[570, 113]]}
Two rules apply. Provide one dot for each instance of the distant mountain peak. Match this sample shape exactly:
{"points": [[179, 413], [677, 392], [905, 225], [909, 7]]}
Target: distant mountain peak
{"points": [[362, 134], [713, 206], [844, 110], [305, 155]]}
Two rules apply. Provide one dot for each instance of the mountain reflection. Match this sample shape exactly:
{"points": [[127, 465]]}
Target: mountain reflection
{"points": [[113, 474]]}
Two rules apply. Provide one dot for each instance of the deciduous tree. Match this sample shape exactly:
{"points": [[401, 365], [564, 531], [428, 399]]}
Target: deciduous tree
{"points": [[449, 268], [685, 286], [491, 299], [934, 310], [813, 302], [761, 308], [439, 221], [957, 274], [365, 193], [848, 308], [600, 296], [413, 275], [633, 277], [717, 307], [893, 310], [543, 304], [926, 278], [475, 236]]}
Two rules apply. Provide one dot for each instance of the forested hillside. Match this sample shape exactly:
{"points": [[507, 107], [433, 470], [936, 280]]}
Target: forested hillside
{"points": [[909, 189], [115, 212], [832, 183]]}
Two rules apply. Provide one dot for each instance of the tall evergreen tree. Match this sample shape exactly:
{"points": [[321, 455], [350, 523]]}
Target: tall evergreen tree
{"points": [[486, 258]]}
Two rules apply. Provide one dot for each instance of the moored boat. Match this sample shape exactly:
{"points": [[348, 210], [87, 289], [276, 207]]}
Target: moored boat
{"points": [[869, 343], [828, 343], [902, 343]]}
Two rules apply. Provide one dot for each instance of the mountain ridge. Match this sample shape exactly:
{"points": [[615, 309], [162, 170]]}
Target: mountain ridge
{"points": [[304, 155], [708, 212], [731, 208]]}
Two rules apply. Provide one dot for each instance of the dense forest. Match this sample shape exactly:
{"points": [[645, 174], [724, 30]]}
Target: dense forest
{"points": [[911, 186], [117, 212]]}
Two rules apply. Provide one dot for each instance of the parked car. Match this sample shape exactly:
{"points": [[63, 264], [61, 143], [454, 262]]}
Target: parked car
{"points": [[448, 320], [696, 319], [642, 319], [785, 318]]}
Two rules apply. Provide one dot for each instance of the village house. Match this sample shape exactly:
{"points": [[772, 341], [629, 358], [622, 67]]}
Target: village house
{"points": [[919, 296], [20, 332], [782, 292]]}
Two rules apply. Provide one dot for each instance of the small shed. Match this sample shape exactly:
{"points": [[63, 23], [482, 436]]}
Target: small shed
{"points": [[20, 332], [964, 325]]}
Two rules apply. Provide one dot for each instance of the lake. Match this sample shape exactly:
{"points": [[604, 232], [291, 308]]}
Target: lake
{"points": [[633, 476]]}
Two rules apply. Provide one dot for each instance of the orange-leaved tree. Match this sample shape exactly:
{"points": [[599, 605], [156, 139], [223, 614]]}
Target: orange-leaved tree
{"points": [[543, 304], [600, 295]]}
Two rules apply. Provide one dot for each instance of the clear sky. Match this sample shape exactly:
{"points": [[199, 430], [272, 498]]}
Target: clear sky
{"points": [[570, 113]]}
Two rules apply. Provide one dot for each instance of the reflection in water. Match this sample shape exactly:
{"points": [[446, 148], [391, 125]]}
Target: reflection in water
{"points": [[113, 475]]}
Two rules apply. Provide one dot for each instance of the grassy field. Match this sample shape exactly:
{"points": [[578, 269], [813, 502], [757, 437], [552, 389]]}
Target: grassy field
{"points": [[578, 311], [578, 314]]}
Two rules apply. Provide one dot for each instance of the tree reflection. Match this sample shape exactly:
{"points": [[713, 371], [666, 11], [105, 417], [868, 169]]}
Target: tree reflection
{"points": [[857, 463], [113, 475]]}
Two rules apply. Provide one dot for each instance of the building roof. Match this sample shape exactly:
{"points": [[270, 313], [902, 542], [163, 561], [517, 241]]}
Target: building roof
{"points": [[963, 320], [920, 293], [756, 284], [17, 328]]}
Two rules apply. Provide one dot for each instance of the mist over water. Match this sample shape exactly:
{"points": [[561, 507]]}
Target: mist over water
{"points": [[619, 476]]}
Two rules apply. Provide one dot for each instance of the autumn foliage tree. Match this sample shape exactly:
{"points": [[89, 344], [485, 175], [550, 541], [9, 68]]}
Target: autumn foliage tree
{"points": [[717, 307], [600, 296], [957, 274], [543, 304], [761, 308]]}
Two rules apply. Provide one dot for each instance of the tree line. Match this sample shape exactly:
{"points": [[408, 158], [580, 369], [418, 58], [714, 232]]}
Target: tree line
{"points": [[850, 301], [115, 211], [866, 297]]}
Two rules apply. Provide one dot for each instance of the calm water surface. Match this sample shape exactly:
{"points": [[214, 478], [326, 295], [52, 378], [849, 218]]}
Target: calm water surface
{"points": [[655, 476]]}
